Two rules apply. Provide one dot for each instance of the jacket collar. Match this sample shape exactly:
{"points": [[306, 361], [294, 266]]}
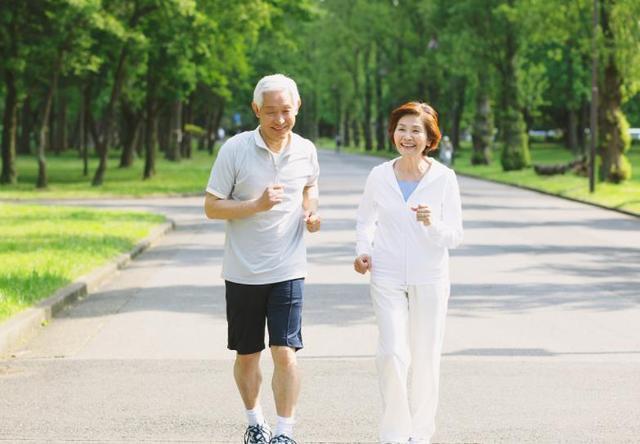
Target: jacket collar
{"points": [[437, 169]]}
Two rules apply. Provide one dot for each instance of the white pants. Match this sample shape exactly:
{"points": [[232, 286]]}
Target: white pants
{"points": [[411, 322]]}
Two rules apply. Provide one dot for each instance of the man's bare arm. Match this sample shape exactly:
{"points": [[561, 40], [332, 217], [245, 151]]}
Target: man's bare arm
{"points": [[310, 198], [216, 208], [310, 206]]}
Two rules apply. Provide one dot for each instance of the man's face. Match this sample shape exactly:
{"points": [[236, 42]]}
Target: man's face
{"points": [[277, 115]]}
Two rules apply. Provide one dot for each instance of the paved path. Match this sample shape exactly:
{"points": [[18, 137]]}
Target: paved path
{"points": [[542, 343]]}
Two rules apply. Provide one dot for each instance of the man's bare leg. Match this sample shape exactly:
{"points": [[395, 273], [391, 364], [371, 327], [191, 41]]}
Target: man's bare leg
{"points": [[246, 372], [286, 387]]}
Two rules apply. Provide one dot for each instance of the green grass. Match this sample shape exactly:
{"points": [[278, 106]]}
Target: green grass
{"points": [[67, 181], [45, 248], [625, 196]]}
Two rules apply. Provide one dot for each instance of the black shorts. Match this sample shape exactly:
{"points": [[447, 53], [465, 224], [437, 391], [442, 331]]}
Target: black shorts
{"points": [[248, 306]]}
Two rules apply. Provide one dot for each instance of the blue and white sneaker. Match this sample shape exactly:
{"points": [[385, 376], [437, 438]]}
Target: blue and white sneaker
{"points": [[257, 434]]}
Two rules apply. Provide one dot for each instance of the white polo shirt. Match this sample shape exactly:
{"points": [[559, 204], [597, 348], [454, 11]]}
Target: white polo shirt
{"points": [[267, 247], [403, 251]]}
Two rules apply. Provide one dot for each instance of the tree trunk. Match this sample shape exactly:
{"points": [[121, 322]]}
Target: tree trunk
{"points": [[571, 103], [185, 145], [131, 123], [50, 144], [572, 131], [456, 115], [338, 121], [345, 126], [482, 131], [9, 126], [613, 126], [513, 137], [9, 174], [102, 143], [151, 127], [87, 127], [42, 180], [314, 130], [208, 122], [583, 120], [62, 142], [26, 127], [215, 124], [209, 138], [366, 123], [356, 98], [164, 129], [380, 126], [175, 131], [139, 146], [74, 135], [151, 131], [614, 140], [356, 133]]}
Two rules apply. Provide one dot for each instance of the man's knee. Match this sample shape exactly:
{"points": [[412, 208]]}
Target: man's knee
{"points": [[283, 356], [248, 362]]}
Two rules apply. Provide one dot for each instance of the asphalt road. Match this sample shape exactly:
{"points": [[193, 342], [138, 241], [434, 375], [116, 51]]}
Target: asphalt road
{"points": [[542, 341]]}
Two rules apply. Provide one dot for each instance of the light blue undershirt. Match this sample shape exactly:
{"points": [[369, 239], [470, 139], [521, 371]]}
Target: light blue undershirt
{"points": [[407, 187]]}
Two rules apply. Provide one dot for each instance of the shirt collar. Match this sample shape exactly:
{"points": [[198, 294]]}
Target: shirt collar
{"points": [[257, 137]]}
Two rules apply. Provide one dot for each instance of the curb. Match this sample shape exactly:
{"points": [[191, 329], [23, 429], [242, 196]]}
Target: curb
{"points": [[20, 328]]}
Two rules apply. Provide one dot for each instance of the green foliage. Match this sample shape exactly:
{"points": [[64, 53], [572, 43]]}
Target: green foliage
{"points": [[195, 130], [482, 133], [625, 46], [622, 170], [480, 158], [67, 181], [353, 61], [613, 146], [623, 196]]}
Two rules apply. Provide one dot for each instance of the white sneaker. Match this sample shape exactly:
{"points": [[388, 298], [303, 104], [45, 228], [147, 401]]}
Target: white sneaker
{"points": [[257, 434]]}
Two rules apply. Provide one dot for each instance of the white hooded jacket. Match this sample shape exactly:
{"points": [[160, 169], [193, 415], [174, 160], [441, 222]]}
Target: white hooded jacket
{"points": [[404, 251]]}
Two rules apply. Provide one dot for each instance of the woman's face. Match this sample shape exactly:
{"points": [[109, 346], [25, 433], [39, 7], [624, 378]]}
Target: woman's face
{"points": [[410, 136]]}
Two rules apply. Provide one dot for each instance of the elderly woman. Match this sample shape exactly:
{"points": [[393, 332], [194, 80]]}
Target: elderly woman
{"points": [[408, 219]]}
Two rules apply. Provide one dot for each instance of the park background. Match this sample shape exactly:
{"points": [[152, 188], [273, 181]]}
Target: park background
{"points": [[107, 98]]}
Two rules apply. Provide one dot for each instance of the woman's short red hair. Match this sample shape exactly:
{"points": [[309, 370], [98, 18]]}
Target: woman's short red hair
{"points": [[427, 115]]}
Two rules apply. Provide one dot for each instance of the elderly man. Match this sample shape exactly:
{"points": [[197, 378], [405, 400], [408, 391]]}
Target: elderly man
{"points": [[264, 183]]}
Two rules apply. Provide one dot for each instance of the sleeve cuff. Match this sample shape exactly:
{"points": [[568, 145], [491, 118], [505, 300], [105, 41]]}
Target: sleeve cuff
{"points": [[362, 249], [218, 194], [435, 229]]}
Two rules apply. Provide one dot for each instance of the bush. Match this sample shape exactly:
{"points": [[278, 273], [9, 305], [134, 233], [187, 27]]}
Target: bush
{"points": [[622, 171], [194, 130], [615, 166]]}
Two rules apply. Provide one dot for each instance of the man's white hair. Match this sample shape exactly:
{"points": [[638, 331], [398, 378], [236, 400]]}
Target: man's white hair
{"points": [[276, 82]]}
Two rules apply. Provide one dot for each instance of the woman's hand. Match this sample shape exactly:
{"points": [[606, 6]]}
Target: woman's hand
{"points": [[423, 214], [312, 220], [362, 264]]}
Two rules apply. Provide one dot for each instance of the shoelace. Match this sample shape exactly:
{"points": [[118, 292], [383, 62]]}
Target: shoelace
{"points": [[282, 439], [257, 433]]}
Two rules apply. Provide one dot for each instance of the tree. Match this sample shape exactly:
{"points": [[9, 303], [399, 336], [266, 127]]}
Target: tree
{"points": [[619, 82], [12, 18]]}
